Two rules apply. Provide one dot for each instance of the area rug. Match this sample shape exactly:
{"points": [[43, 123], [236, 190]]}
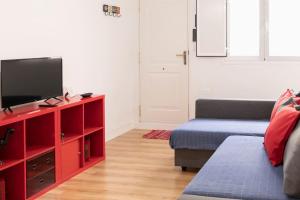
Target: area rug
{"points": [[158, 134]]}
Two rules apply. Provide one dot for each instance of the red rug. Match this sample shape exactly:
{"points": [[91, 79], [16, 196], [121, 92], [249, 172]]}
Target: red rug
{"points": [[158, 134]]}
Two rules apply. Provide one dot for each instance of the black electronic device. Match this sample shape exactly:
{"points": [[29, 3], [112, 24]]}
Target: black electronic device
{"points": [[86, 95], [8, 133], [28, 80]]}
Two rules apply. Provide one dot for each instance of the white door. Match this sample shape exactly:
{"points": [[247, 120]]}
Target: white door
{"points": [[164, 61]]}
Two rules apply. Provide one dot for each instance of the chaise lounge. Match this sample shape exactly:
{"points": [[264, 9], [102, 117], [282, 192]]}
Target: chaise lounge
{"points": [[239, 169]]}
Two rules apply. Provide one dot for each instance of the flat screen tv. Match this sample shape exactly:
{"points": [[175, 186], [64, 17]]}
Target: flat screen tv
{"points": [[27, 80]]}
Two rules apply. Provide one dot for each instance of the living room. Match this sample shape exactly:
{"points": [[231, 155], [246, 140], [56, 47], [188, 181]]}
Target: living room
{"points": [[147, 99]]}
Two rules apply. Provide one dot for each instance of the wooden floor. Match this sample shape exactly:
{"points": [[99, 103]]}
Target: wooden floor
{"points": [[135, 169]]}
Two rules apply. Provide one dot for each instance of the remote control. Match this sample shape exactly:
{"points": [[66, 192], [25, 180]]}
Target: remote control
{"points": [[86, 95]]}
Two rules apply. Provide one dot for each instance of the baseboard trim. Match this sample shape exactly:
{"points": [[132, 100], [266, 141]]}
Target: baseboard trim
{"points": [[146, 126], [120, 131]]}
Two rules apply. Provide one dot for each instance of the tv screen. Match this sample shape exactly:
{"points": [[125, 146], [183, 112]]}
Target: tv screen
{"points": [[28, 80]]}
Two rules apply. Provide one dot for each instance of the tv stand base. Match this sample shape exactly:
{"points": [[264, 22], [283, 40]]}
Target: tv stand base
{"points": [[50, 105], [8, 109], [47, 105]]}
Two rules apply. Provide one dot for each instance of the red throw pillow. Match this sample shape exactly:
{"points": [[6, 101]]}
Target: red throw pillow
{"points": [[278, 133], [287, 94]]}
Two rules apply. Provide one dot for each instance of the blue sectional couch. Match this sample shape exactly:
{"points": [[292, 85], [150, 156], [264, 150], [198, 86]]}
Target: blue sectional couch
{"points": [[226, 142], [216, 119]]}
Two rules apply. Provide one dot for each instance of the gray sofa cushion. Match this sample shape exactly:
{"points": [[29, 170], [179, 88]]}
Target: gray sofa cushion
{"points": [[239, 169], [291, 164], [234, 109]]}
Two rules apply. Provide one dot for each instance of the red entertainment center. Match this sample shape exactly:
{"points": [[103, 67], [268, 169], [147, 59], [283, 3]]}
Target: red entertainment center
{"points": [[49, 145]]}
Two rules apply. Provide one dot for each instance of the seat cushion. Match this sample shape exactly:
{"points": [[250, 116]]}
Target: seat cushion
{"points": [[239, 169], [208, 134]]}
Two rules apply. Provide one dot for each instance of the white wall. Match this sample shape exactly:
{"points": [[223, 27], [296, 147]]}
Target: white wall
{"points": [[100, 53], [218, 78]]}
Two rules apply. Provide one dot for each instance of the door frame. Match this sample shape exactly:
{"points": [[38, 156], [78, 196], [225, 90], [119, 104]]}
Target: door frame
{"points": [[163, 126]]}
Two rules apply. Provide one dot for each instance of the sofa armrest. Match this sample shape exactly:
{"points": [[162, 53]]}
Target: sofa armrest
{"points": [[234, 109]]}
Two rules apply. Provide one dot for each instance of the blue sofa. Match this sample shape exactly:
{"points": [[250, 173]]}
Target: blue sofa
{"points": [[226, 140], [216, 119]]}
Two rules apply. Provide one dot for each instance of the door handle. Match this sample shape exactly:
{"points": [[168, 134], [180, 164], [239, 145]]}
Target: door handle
{"points": [[184, 55]]}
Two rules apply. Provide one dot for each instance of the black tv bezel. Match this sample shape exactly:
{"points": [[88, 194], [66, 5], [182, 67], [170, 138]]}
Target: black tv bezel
{"points": [[31, 101]]}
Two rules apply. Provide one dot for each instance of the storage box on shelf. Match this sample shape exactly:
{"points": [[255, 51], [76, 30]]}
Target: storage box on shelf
{"points": [[35, 158], [39, 165], [40, 173]]}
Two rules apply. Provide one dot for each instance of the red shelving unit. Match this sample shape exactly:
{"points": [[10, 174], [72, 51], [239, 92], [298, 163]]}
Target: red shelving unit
{"points": [[48, 145]]}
